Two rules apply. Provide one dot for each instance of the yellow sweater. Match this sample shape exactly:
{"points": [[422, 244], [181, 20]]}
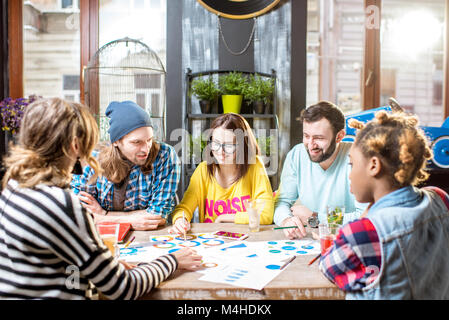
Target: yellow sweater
{"points": [[212, 200]]}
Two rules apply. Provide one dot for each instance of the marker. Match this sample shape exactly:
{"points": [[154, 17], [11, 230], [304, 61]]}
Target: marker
{"points": [[291, 227], [129, 242], [314, 259], [184, 217], [287, 262]]}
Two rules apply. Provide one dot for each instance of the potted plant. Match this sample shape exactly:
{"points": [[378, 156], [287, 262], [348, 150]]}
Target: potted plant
{"points": [[207, 93], [232, 86], [12, 111], [267, 88], [259, 92]]}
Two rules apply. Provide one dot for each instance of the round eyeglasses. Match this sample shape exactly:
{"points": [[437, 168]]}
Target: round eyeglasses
{"points": [[228, 148]]}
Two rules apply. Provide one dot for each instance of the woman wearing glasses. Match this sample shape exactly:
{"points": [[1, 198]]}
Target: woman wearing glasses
{"points": [[231, 174]]}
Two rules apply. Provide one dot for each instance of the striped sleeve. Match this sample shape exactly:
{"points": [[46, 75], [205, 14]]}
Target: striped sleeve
{"points": [[47, 240], [354, 260], [111, 277]]}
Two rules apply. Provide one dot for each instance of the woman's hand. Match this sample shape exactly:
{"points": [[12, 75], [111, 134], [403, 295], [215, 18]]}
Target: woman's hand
{"points": [[187, 259], [181, 226], [128, 266], [90, 203]]}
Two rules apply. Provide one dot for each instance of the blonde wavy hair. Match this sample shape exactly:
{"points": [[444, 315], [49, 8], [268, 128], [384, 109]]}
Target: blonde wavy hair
{"points": [[47, 131], [398, 142]]}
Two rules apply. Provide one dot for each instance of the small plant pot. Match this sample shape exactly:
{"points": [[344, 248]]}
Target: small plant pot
{"points": [[259, 107], [205, 106], [232, 103], [247, 107]]}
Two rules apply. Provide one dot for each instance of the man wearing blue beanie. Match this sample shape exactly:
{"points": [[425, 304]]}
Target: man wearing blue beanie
{"points": [[140, 175]]}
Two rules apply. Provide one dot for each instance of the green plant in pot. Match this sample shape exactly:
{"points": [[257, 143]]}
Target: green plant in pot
{"points": [[259, 92], [207, 93], [232, 86], [267, 89]]}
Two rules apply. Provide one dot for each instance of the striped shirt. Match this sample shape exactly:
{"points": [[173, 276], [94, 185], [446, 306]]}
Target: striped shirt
{"points": [[50, 249], [154, 192]]}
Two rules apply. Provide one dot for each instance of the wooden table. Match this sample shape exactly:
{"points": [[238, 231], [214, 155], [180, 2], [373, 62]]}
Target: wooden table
{"points": [[297, 281]]}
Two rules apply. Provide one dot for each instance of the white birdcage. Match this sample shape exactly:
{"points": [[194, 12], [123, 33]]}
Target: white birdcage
{"points": [[126, 69]]}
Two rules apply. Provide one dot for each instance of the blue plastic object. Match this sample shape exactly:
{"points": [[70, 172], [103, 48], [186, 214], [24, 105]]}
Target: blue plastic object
{"points": [[438, 136]]}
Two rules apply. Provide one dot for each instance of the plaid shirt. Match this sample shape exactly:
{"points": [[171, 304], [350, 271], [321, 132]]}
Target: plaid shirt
{"points": [[354, 259], [155, 192]]}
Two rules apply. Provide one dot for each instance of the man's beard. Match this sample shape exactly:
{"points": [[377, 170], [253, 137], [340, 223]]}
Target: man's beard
{"points": [[324, 155]]}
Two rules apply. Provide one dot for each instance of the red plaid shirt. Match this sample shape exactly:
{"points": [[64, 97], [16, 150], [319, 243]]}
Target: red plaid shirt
{"points": [[354, 260]]}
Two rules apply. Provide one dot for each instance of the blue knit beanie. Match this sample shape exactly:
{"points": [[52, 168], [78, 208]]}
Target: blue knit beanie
{"points": [[125, 117]]}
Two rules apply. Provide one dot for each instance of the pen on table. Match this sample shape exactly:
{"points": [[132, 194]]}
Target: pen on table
{"points": [[129, 242], [287, 262], [314, 259], [290, 227]]}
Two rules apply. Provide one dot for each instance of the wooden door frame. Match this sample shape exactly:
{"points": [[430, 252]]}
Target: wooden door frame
{"points": [[89, 36], [15, 49]]}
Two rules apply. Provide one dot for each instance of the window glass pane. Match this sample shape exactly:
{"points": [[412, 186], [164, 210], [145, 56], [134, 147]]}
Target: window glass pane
{"points": [[335, 42], [71, 82], [66, 4], [412, 53], [143, 20], [51, 48]]}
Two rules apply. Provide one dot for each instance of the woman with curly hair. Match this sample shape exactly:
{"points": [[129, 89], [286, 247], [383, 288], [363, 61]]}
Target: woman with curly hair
{"points": [[399, 248], [49, 246]]}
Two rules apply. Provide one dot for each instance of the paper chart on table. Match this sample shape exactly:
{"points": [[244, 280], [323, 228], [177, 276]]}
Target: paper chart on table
{"points": [[250, 264], [254, 276], [197, 241]]}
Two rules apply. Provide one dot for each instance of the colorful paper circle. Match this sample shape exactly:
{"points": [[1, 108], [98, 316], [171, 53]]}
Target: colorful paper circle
{"points": [[206, 236], [209, 265], [161, 238], [190, 244], [213, 242], [275, 251], [166, 245], [189, 237], [289, 248]]}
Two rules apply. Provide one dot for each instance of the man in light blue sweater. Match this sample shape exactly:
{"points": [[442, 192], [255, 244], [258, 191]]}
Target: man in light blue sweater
{"points": [[316, 172]]}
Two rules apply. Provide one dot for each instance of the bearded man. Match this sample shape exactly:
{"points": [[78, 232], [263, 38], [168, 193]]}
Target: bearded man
{"points": [[139, 175], [316, 173]]}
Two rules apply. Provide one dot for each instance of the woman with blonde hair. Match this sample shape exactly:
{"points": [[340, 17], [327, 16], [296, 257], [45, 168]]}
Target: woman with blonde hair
{"points": [[45, 233]]}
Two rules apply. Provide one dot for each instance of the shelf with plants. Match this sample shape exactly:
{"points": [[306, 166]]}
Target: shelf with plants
{"points": [[205, 100]]}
